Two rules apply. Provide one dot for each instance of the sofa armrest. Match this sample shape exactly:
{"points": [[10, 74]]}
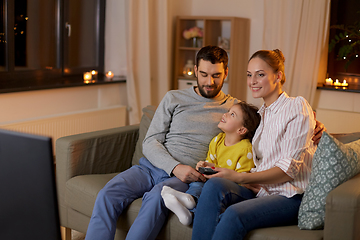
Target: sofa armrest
{"points": [[342, 211], [346, 137], [105, 151]]}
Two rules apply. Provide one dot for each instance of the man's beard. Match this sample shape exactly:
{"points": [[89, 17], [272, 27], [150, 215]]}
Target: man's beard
{"points": [[211, 94]]}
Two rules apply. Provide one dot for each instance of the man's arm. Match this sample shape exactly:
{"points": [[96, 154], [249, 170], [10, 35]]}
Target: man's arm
{"points": [[153, 144], [154, 149]]}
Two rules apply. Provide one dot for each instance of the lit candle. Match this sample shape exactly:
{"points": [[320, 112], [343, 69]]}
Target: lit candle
{"points": [[328, 81], [109, 75], [337, 83], [344, 84], [87, 77], [94, 74]]}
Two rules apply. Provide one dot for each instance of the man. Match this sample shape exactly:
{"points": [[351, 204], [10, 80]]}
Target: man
{"points": [[178, 137]]}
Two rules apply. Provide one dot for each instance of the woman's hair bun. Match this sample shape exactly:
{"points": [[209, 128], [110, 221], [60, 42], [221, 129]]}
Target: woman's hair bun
{"points": [[279, 54]]}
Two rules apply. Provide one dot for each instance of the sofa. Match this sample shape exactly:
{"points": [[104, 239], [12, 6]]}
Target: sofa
{"points": [[86, 162]]}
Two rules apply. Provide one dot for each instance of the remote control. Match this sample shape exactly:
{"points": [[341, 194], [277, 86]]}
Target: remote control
{"points": [[207, 171]]}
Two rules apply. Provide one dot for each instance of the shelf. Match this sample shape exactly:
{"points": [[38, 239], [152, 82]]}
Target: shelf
{"points": [[230, 30]]}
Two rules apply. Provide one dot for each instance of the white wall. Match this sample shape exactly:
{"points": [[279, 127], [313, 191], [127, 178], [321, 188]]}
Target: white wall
{"points": [[33, 105], [338, 111]]}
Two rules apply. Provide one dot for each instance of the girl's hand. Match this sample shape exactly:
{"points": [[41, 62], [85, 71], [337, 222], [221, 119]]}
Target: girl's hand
{"points": [[204, 164]]}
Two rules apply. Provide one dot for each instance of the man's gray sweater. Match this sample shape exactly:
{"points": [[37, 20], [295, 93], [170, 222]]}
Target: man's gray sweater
{"points": [[182, 128]]}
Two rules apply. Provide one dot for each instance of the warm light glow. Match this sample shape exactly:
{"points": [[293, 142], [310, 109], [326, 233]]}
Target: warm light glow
{"points": [[87, 77], [94, 74], [344, 84], [109, 75], [337, 83], [328, 81]]}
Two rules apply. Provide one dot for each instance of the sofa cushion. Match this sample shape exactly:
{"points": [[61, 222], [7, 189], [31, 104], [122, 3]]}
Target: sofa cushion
{"points": [[333, 164], [81, 191], [146, 118]]}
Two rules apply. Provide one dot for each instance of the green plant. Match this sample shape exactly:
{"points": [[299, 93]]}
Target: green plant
{"points": [[349, 37]]}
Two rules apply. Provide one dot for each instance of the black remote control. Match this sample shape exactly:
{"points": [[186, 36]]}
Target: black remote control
{"points": [[206, 171]]}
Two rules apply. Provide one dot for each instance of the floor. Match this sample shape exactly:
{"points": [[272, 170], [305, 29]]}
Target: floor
{"points": [[77, 235]]}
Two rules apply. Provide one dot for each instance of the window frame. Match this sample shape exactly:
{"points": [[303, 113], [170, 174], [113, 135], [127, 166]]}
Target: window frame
{"points": [[335, 68], [12, 80]]}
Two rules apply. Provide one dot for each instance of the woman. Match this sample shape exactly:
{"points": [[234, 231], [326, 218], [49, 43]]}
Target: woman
{"points": [[270, 195]]}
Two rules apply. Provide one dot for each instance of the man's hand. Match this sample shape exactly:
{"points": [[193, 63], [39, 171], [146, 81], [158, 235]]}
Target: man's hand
{"points": [[318, 131], [188, 174]]}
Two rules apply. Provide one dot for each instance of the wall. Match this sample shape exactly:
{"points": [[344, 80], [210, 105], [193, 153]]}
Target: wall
{"points": [[35, 105], [338, 111]]}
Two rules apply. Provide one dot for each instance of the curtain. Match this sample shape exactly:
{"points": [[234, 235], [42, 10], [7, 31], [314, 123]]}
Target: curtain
{"points": [[148, 54], [299, 28]]}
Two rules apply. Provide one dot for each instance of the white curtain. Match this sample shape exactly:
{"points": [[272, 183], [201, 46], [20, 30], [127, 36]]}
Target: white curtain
{"points": [[299, 28], [148, 54]]}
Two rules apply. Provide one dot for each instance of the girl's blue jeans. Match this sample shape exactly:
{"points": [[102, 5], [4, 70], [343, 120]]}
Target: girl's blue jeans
{"points": [[228, 209]]}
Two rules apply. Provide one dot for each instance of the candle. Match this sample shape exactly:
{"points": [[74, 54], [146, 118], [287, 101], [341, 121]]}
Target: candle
{"points": [[109, 75], [94, 74], [337, 83], [344, 84], [87, 77], [328, 81]]}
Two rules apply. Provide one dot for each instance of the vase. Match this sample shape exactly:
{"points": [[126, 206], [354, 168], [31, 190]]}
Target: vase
{"points": [[196, 42]]}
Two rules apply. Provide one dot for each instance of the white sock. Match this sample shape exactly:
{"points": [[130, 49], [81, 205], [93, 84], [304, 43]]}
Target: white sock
{"points": [[185, 199], [173, 204]]}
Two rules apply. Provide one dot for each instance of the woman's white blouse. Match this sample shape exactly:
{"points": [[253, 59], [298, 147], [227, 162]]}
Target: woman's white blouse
{"points": [[283, 139]]}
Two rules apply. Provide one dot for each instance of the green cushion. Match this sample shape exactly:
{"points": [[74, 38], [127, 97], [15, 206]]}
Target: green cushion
{"points": [[333, 164]]}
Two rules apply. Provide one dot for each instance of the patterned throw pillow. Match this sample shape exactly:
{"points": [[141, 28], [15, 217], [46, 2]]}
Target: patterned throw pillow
{"points": [[333, 164]]}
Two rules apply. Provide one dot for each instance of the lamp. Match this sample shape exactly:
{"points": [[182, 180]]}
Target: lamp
{"points": [[188, 70]]}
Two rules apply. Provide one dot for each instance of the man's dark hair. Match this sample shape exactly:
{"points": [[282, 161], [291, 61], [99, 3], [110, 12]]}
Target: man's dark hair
{"points": [[213, 54], [251, 119]]}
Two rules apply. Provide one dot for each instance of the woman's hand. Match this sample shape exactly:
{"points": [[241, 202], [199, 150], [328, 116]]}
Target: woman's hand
{"points": [[226, 173], [253, 187], [318, 131], [271, 176]]}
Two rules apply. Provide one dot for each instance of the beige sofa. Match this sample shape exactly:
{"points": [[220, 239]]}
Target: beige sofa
{"points": [[86, 162]]}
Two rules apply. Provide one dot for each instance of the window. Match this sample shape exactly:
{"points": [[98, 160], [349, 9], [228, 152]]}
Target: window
{"points": [[344, 12], [49, 43]]}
